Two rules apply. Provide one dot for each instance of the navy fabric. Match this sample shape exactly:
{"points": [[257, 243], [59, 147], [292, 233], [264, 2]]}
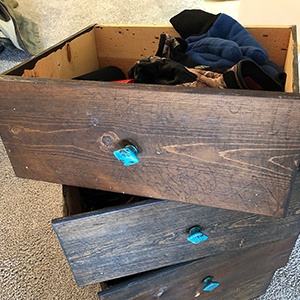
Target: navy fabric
{"points": [[225, 44]]}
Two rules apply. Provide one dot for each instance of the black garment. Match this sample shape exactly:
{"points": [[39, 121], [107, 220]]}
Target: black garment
{"points": [[247, 74], [110, 73], [219, 40], [157, 70], [174, 48], [193, 22]]}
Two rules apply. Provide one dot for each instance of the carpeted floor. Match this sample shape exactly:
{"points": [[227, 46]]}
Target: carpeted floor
{"points": [[32, 264]]}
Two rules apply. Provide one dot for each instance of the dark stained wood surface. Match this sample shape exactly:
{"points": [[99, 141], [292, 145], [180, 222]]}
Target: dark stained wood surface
{"points": [[247, 290], [244, 291], [237, 272], [129, 239], [227, 149]]}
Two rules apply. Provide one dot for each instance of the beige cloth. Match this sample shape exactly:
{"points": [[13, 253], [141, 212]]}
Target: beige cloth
{"points": [[207, 79]]}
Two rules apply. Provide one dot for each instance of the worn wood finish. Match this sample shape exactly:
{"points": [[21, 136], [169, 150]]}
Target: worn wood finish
{"points": [[246, 290], [235, 271], [209, 147], [291, 65], [120, 241]]}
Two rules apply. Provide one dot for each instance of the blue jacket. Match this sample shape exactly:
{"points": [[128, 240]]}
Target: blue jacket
{"points": [[226, 43]]}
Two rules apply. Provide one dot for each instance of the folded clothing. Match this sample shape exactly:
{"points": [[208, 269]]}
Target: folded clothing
{"points": [[244, 75], [219, 40]]}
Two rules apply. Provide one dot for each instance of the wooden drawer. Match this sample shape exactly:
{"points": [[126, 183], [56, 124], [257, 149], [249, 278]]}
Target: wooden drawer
{"points": [[232, 149], [123, 240], [241, 274]]}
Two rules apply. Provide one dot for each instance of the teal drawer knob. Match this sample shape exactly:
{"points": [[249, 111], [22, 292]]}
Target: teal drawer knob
{"points": [[210, 285], [127, 155], [196, 236]]}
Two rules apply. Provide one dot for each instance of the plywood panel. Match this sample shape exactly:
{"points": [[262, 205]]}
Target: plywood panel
{"points": [[291, 64], [275, 40], [123, 45], [75, 58]]}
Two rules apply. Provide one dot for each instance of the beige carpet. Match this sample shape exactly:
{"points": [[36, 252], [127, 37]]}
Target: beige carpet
{"points": [[32, 263]]}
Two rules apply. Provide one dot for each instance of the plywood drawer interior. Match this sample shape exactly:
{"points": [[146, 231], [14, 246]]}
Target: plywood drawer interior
{"points": [[123, 45]]}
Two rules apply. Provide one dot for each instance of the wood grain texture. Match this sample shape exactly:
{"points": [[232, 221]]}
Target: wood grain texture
{"points": [[217, 148], [246, 290], [238, 273], [120, 241]]}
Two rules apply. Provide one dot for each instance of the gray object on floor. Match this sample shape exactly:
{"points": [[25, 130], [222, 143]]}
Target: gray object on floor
{"points": [[20, 30]]}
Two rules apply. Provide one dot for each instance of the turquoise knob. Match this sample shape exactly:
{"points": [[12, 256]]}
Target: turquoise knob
{"points": [[196, 236], [127, 155], [210, 285]]}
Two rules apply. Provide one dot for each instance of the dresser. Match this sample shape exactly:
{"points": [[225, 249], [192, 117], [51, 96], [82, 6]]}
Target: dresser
{"points": [[212, 207]]}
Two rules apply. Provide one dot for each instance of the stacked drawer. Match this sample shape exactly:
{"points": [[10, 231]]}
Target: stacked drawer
{"points": [[213, 209]]}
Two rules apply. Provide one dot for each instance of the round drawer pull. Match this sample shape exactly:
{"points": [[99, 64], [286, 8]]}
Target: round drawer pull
{"points": [[210, 285], [196, 236], [127, 155]]}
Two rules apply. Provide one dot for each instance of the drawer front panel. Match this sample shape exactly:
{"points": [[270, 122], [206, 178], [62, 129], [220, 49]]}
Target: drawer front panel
{"points": [[117, 242], [215, 148], [241, 274]]}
